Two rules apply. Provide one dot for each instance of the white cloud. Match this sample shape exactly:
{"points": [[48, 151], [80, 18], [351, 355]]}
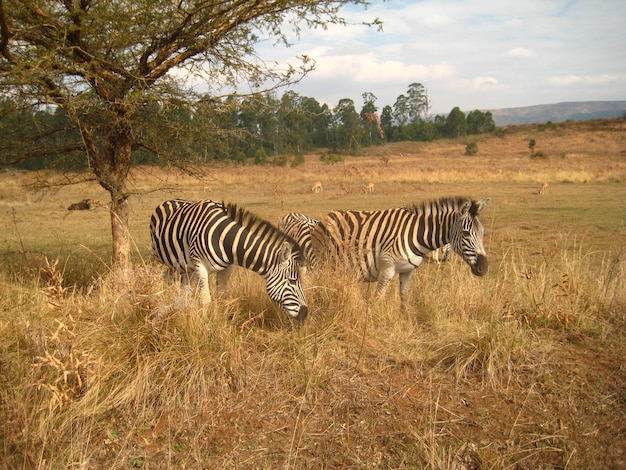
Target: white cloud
{"points": [[475, 55], [570, 80], [368, 68], [519, 52], [481, 83]]}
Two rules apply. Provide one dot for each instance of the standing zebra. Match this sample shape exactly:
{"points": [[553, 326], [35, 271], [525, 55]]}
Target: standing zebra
{"points": [[385, 242], [299, 227], [207, 236]]}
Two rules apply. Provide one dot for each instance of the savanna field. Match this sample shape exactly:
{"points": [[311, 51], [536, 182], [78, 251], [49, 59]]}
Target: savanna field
{"points": [[523, 368]]}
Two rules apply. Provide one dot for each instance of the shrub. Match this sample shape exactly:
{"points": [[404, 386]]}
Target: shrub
{"points": [[331, 158], [471, 149]]}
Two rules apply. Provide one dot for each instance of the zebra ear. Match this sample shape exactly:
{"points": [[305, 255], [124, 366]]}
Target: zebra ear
{"points": [[285, 252], [480, 205], [466, 206]]}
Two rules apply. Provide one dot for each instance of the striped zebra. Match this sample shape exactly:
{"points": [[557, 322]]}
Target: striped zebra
{"points": [[440, 255], [299, 227], [385, 242], [206, 236]]}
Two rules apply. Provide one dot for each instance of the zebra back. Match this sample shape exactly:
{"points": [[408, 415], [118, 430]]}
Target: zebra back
{"points": [[299, 227]]}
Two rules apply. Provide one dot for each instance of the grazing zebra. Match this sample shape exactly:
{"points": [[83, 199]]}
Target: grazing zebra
{"points": [[440, 255], [207, 236], [385, 242], [299, 227]]}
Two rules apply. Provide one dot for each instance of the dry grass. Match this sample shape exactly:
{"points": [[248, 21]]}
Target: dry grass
{"points": [[520, 369]]}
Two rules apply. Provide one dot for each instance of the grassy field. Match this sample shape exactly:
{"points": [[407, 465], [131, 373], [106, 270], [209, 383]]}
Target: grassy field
{"points": [[523, 368]]}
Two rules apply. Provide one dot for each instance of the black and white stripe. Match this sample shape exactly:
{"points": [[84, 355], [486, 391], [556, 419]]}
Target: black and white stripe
{"points": [[385, 242], [299, 227], [206, 236]]}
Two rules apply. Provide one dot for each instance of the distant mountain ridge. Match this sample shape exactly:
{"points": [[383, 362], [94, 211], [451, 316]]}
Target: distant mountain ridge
{"points": [[558, 112]]}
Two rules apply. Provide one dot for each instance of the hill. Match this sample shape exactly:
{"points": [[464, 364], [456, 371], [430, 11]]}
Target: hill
{"points": [[570, 111]]}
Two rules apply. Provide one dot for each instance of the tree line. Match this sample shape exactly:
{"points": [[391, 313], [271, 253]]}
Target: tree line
{"points": [[258, 128], [102, 86]]}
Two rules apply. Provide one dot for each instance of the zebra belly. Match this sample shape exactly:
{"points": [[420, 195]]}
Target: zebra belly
{"points": [[404, 265], [408, 264]]}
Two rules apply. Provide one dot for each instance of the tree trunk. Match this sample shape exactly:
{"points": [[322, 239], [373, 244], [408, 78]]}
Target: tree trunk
{"points": [[120, 234], [111, 163]]}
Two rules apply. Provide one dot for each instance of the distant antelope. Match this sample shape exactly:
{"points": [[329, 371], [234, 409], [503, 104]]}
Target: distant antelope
{"points": [[369, 188], [317, 187], [543, 188], [344, 188]]}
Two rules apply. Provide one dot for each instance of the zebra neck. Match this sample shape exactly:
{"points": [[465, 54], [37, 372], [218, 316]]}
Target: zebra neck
{"points": [[255, 253], [434, 230]]}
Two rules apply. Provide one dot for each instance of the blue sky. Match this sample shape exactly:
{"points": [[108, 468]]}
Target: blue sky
{"points": [[477, 54]]}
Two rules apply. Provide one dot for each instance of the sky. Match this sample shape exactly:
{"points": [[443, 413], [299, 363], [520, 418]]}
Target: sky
{"points": [[474, 54]]}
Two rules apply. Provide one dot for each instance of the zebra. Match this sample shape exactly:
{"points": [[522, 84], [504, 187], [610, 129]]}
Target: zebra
{"points": [[207, 236], [385, 242], [299, 227], [440, 255]]}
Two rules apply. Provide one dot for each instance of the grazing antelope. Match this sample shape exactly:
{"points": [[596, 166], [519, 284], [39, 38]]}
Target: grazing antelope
{"points": [[369, 188], [543, 188], [317, 187]]}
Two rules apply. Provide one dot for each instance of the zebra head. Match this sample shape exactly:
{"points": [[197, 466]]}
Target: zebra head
{"points": [[467, 236], [284, 282]]}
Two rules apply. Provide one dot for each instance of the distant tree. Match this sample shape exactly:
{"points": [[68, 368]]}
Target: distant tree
{"points": [[320, 121], [105, 62], [347, 126], [386, 117], [479, 122], [417, 102], [401, 110], [371, 120], [456, 124]]}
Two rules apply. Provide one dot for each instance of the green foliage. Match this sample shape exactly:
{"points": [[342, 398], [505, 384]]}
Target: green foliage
{"points": [[480, 123], [260, 156], [456, 124], [547, 126], [331, 158], [502, 131], [471, 149]]}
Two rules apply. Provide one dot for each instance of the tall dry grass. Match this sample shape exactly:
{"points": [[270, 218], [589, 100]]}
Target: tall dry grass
{"points": [[135, 373], [520, 369]]}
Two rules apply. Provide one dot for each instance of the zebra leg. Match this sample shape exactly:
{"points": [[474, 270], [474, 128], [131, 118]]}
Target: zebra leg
{"points": [[405, 283], [203, 277], [385, 275], [222, 279]]}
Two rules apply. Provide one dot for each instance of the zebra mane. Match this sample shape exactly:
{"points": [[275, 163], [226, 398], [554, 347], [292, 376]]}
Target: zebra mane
{"points": [[254, 223], [445, 203]]}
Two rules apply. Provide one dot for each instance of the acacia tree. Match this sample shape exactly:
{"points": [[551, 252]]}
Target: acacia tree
{"points": [[104, 61]]}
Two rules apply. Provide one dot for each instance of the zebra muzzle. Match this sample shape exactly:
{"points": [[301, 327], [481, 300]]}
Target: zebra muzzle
{"points": [[302, 313], [481, 266]]}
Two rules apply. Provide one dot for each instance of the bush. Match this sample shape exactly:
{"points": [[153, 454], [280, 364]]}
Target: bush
{"points": [[471, 149], [331, 158], [260, 157]]}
